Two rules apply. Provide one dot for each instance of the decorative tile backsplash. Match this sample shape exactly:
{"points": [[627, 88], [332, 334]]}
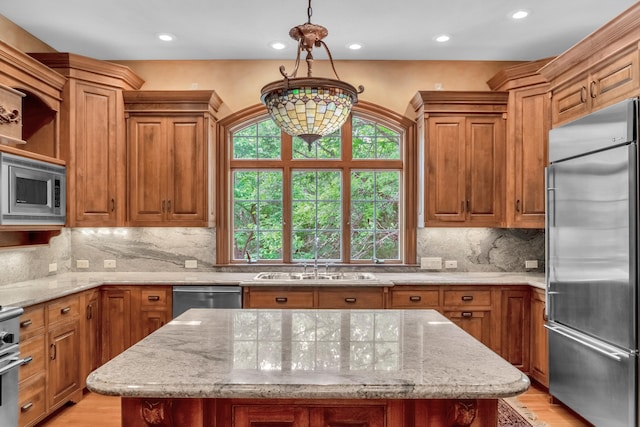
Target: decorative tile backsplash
{"points": [[167, 249]]}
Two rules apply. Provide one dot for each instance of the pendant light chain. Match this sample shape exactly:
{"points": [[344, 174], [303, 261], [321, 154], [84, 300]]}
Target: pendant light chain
{"points": [[309, 13]]}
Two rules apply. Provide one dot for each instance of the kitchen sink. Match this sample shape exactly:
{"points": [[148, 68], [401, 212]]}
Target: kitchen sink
{"points": [[297, 276]]}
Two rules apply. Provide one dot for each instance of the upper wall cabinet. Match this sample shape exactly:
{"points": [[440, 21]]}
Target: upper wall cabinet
{"points": [[171, 144], [527, 139], [462, 137], [599, 71], [93, 137]]}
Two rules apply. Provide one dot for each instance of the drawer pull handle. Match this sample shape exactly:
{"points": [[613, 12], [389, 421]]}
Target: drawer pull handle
{"points": [[467, 298], [467, 314], [65, 310], [26, 407], [415, 298], [281, 300], [25, 323], [350, 300], [89, 312], [52, 352], [153, 298], [27, 360]]}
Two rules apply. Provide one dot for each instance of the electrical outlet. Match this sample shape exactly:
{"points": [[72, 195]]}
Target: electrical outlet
{"points": [[191, 263], [53, 267], [82, 263], [531, 263], [431, 263], [109, 263], [451, 264]]}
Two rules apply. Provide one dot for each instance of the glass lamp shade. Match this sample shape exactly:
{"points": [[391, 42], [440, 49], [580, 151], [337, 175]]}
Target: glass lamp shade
{"points": [[309, 107]]}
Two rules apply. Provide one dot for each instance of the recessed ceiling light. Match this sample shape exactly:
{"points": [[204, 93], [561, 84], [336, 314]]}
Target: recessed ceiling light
{"points": [[442, 38], [166, 37], [519, 14], [355, 46], [277, 45]]}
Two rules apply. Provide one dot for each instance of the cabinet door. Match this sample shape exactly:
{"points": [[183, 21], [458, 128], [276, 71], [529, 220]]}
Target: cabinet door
{"points": [[344, 298], [147, 170], [485, 139], [476, 323], [186, 180], [278, 298], [615, 81], [515, 327], [529, 143], [270, 416], [95, 166], [445, 170], [90, 331], [64, 369], [360, 416], [539, 339], [116, 322], [402, 296], [570, 101]]}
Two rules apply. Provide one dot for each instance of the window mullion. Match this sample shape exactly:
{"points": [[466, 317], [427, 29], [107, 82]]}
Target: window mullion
{"points": [[287, 210]]}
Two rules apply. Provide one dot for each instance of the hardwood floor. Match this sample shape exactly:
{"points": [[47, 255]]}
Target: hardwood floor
{"points": [[103, 411]]}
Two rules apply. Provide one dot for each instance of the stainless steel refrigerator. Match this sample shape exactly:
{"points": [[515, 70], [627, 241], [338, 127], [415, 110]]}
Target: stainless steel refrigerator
{"points": [[592, 265]]}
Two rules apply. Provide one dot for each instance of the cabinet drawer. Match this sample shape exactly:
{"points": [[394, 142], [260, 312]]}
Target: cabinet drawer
{"points": [[269, 298], [414, 298], [467, 298], [64, 309], [34, 348], [32, 322], [154, 297], [350, 298], [31, 401]]}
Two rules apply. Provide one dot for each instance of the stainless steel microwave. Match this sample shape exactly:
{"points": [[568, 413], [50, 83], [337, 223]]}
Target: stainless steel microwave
{"points": [[31, 191]]}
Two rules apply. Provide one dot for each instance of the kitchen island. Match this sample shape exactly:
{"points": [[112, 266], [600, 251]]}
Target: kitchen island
{"points": [[306, 368]]}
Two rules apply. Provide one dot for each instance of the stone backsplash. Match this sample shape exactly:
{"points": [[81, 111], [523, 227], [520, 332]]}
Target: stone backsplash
{"points": [[167, 249]]}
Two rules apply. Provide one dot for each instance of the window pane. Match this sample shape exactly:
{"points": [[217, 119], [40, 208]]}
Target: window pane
{"points": [[257, 215], [374, 141], [375, 215], [316, 213], [257, 141], [327, 147]]}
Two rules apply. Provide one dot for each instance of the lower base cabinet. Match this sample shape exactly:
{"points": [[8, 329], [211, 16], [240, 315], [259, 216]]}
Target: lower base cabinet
{"points": [[539, 338]]}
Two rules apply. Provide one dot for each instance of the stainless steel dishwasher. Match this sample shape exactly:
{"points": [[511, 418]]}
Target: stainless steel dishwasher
{"points": [[186, 297]]}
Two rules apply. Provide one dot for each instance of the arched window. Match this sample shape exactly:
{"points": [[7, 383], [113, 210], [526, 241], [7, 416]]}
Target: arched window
{"points": [[340, 200]]}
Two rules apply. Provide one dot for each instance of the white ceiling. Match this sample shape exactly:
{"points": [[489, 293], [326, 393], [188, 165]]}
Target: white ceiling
{"points": [[243, 29]]}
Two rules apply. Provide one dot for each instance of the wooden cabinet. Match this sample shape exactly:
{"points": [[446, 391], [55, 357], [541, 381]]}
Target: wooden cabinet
{"points": [[63, 341], [130, 313], [528, 125], [598, 71], [32, 375], [515, 326], [90, 354], [613, 80], [408, 296], [312, 297], [116, 321], [93, 137], [170, 137], [539, 338], [155, 303], [463, 140]]}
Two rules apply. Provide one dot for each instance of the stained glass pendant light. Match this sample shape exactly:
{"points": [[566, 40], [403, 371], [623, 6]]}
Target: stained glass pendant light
{"points": [[309, 107]]}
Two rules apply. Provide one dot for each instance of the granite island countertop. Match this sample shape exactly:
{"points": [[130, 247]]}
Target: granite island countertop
{"points": [[35, 291], [309, 354]]}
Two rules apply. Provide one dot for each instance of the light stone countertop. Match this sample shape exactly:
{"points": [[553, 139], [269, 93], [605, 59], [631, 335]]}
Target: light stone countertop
{"points": [[309, 354], [32, 292]]}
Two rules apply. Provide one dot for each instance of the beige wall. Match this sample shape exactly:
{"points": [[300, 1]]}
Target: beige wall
{"points": [[391, 84], [15, 36]]}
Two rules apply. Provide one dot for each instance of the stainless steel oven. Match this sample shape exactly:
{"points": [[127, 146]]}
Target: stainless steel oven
{"points": [[186, 297], [10, 361]]}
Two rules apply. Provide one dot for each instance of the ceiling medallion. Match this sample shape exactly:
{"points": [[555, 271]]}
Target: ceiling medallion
{"points": [[309, 107]]}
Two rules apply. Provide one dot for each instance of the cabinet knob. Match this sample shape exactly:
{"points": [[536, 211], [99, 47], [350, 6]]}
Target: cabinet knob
{"points": [[415, 298]]}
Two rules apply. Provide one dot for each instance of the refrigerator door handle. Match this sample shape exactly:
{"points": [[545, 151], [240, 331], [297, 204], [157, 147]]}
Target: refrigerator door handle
{"points": [[605, 351]]}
